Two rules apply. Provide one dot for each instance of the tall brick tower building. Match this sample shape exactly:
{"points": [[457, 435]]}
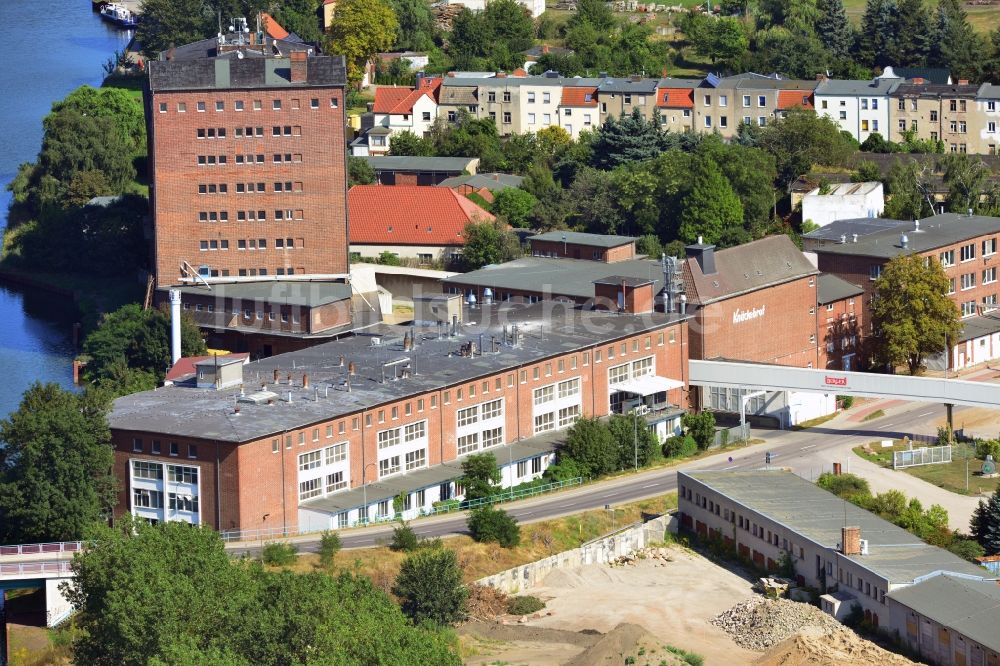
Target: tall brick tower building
{"points": [[249, 189]]}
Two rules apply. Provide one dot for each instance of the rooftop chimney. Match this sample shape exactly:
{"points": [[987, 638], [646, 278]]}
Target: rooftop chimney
{"points": [[351, 370], [305, 380], [821, 77], [175, 325], [277, 376], [704, 254], [850, 540], [299, 66], [963, 82]]}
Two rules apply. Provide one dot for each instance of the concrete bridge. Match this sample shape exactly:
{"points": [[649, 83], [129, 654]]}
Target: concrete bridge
{"points": [[39, 566]]}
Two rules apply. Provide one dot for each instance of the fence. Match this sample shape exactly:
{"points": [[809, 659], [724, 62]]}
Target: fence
{"points": [[444, 508], [41, 548], [21, 569], [925, 455]]}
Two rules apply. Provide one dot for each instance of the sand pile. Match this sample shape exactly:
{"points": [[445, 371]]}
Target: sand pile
{"points": [[624, 641], [829, 646]]}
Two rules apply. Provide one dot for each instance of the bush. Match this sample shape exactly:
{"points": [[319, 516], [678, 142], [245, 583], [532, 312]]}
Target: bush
{"points": [[701, 427], [846, 401], [279, 554], [563, 470], [404, 539], [430, 587], [680, 446], [525, 605], [447, 505], [845, 486], [329, 546], [988, 447], [488, 525], [592, 446]]}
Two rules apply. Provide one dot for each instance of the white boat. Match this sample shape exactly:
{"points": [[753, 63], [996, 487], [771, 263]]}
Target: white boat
{"points": [[118, 14]]}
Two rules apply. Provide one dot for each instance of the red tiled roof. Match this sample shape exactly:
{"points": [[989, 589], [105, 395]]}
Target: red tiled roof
{"points": [[676, 98], [273, 28], [519, 73], [788, 99], [394, 100], [184, 367], [573, 96], [410, 215]]}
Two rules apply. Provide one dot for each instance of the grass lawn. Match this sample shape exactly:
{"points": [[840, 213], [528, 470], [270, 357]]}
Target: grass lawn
{"points": [[478, 560], [877, 414], [950, 476], [983, 19]]}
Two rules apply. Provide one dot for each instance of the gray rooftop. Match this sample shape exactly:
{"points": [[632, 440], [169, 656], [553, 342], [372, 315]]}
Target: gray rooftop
{"points": [[288, 292], [407, 163], [935, 90], [580, 238], [818, 515], [407, 482], [830, 288], [935, 232], [491, 181], [547, 329], [970, 607], [989, 91], [856, 88], [978, 327], [861, 226], [573, 278], [640, 87], [205, 71]]}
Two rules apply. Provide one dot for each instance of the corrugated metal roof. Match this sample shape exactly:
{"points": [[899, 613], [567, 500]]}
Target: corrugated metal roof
{"points": [[580, 238], [970, 607]]}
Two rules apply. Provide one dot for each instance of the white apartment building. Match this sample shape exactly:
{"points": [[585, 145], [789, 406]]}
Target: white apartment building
{"points": [[860, 108]]}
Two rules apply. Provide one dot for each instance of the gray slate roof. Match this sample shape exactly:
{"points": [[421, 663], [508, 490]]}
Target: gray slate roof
{"points": [[641, 87], [934, 90], [818, 515], [856, 88], [491, 181], [408, 163], [937, 231], [830, 288], [225, 73], [289, 292], [933, 74], [572, 278], [436, 363], [580, 238], [970, 607], [977, 327]]}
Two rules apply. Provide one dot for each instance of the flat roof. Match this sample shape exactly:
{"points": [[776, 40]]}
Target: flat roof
{"points": [[573, 278], [848, 189], [856, 88], [491, 181], [623, 280], [581, 238], [201, 68], [830, 288], [546, 329], [978, 327], [861, 226], [934, 232], [970, 607], [407, 482], [299, 293], [808, 510], [408, 163]]}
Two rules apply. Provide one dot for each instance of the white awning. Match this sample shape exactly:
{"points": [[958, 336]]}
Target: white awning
{"points": [[647, 385]]}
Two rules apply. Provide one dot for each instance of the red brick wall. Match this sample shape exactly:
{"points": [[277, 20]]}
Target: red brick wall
{"points": [[781, 336], [839, 322], [255, 481], [577, 251], [321, 236]]}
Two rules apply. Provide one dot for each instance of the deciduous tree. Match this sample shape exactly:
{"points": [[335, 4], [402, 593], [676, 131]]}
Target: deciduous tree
{"points": [[360, 29], [513, 206], [430, 587], [710, 207], [300, 17], [912, 316], [408, 143], [488, 243], [591, 446], [488, 524], [166, 23], [480, 476]]}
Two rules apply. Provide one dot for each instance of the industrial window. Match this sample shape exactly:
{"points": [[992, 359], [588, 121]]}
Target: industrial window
{"points": [[545, 422], [302, 435], [420, 405], [395, 413], [492, 437], [408, 409], [492, 409], [335, 482], [310, 488], [618, 373], [315, 430], [147, 470], [522, 468], [568, 416], [415, 459], [182, 474], [458, 394], [388, 466], [468, 443], [467, 416], [544, 395], [569, 388], [472, 390], [310, 460], [415, 431], [147, 499]]}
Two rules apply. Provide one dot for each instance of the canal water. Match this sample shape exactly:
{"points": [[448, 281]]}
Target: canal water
{"points": [[49, 49]]}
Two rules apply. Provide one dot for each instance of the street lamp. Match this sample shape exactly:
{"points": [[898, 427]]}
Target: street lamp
{"points": [[364, 488]]}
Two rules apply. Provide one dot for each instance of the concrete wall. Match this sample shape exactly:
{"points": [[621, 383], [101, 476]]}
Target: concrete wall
{"points": [[934, 642], [599, 551]]}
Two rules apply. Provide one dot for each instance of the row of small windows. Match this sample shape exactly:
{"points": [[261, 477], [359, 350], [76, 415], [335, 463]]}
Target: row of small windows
{"points": [[243, 188], [256, 105], [247, 314], [276, 158], [251, 244], [208, 271], [251, 215], [248, 131], [138, 446]]}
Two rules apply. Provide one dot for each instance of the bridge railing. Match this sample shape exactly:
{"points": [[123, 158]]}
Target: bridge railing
{"points": [[42, 548], [35, 568]]}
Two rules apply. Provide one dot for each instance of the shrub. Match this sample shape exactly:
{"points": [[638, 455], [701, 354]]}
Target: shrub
{"points": [[845, 486], [487, 525], [279, 554], [701, 427], [430, 587], [525, 605], [447, 505], [680, 446], [846, 401], [404, 539], [985, 447], [563, 470], [329, 546]]}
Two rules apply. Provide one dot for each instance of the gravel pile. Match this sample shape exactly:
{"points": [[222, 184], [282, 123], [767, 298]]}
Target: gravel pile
{"points": [[758, 623]]}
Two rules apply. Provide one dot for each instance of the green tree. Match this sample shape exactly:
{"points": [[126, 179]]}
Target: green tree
{"points": [[966, 178], [404, 539], [985, 524], [480, 476], [360, 29], [166, 23], [300, 17], [630, 138], [911, 313], [722, 40], [908, 187], [637, 444], [118, 105], [74, 142], [802, 139], [408, 143], [55, 465], [329, 546], [834, 28], [514, 206], [594, 13], [710, 207], [488, 243], [590, 444], [866, 171], [956, 45], [359, 172], [991, 63], [700, 426], [430, 587], [416, 25], [488, 524], [845, 486], [877, 42], [913, 34]]}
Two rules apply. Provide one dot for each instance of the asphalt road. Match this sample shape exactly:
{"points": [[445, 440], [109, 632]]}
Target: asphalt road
{"points": [[798, 450]]}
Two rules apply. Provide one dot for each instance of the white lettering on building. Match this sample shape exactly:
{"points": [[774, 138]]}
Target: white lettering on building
{"points": [[740, 316]]}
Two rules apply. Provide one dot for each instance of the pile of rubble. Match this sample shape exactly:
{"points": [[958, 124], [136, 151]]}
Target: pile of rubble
{"points": [[444, 15], [660, 557], [485, 603], [758, 623]]}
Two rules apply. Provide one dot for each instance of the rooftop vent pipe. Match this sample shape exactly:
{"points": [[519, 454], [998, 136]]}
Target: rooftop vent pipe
{"points": [[277, 376], [904, 241], [175, 325], [305, 380]]}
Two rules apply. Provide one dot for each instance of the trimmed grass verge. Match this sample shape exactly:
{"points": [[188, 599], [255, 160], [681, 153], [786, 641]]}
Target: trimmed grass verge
{"points": [[950, 476]]}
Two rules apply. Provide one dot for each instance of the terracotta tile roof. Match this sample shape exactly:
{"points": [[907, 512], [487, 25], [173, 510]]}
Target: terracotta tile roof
{"points": [[573, 96], [394, 100], [409, 215], [273, 28], [676, 98], [519, 73], [184, 367], [789, 99]]}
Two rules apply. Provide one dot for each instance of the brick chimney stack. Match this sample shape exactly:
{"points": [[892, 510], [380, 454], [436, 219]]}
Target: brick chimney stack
{"points": [[850, 539], [299, 71]]}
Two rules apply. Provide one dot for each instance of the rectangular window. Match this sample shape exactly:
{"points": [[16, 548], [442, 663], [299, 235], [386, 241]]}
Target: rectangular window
{"points": [[545, 422], [947, 258], [468, 416], [568, 388], [568, 416], [147, 499], [335, 453], [387, 438], [990, 275], [968, 252], [146, 470], [492, 437], [968, 308], [544, 395], [468, 443], [989, 247], [335, 482], [388, 466], [618, 373], [492, 409], [415, 431], [310, 488], [415, 459]]}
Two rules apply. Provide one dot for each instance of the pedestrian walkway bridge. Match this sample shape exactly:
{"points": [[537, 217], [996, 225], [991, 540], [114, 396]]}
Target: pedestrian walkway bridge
{"points": [[40, 565]]}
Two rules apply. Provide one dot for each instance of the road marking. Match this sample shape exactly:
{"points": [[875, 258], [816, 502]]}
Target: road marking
{"points": [[811, 446], [925, 414], [883, 427], [727, 468], [651, 485]]}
